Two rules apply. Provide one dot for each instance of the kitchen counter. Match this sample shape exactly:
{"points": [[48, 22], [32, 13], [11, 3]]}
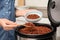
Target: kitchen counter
{"points": [[21, 20]]}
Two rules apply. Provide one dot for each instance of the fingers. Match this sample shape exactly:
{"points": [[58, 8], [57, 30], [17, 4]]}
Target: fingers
{"points": [[9, 27], [2, 23], [7, 21], [12, 26], [7, 24]]}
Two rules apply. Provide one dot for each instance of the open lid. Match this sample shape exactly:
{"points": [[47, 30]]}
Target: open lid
{"points": [[54, 12]]}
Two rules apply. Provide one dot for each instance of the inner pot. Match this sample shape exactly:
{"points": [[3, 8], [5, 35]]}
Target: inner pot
{"points": [[51, 34]]}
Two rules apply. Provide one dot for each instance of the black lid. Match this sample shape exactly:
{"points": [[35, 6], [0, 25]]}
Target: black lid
{"points": [[54, 12]]}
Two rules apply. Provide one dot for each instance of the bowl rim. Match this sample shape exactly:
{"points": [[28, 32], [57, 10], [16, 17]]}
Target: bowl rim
{"points": [[34, 12]]}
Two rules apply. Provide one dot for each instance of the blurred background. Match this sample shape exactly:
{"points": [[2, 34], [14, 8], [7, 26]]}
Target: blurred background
{"points": [[40, 5], [33, 4]]}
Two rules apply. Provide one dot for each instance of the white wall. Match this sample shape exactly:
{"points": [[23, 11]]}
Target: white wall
{"points": [[38, 3]]}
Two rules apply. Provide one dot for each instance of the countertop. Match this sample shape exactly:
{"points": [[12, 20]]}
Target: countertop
{"points": [[21, 20]]}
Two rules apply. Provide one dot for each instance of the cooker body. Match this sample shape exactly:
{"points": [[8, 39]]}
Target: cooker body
{"points": [[50, 36], [53, 37]]}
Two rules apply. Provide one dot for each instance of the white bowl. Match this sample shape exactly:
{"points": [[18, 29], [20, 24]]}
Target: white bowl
{"points": [[39, 13]]}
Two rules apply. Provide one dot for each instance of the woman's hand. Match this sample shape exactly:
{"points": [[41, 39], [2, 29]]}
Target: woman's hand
{"points": [[7, 24]]}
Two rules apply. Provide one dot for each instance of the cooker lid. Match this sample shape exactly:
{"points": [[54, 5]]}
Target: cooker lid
{"points": [[54, 11]]}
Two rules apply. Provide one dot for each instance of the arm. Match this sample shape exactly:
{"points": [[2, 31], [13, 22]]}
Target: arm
{"points": [[22, 12]]}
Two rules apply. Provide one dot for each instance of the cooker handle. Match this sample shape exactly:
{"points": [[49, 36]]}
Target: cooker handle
{"points": [[51, 4]]}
